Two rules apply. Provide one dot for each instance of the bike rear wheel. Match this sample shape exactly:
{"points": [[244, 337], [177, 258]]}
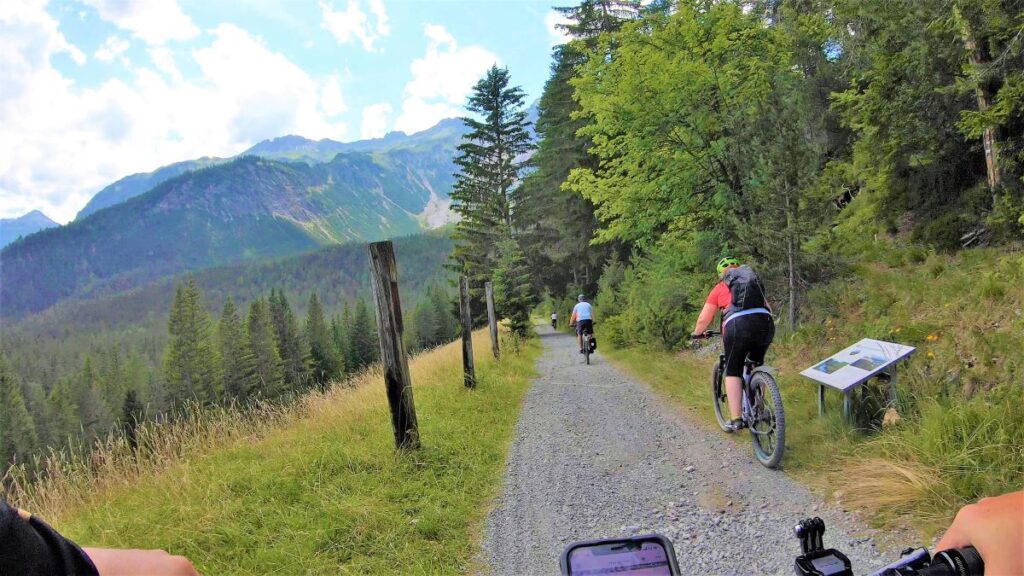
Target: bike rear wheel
{"points": [[586, 348], [768, 425], [718, 397]]}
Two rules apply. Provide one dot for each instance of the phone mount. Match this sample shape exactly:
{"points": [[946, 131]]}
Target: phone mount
{"points": [[816, 560]]}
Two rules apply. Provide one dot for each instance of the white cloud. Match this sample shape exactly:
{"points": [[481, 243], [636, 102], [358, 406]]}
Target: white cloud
{"points": [[62, 143], [441, 80], [331, 98], [551, 21], [113, 48], [353, 24], [152, 21], [164, 59], [375, 120]]}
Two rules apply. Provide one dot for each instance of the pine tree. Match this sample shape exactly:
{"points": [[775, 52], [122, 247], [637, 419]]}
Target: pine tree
{"points": [[363, 337], [94, 418], [324, 359], [61, 414], [131, 416], [514, 293], [291, 344], [190, 363], [235, 354], [339, 342], [489, 168], [266, 375], [444, 315], [18, 439]]}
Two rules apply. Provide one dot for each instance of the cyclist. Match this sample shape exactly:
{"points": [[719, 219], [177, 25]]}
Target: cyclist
{"points": [[747, 326], [582, 318], [554, 320]]}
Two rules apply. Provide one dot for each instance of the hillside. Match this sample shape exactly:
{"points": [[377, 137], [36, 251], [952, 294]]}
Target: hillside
{"points": [[244, 210], [315, 488], [48, 347], [13, 228], [135, 184]]}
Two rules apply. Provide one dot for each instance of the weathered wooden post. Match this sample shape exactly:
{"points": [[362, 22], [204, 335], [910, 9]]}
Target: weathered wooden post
{"points": [[492, 319], [384, 277], [469, 374]]}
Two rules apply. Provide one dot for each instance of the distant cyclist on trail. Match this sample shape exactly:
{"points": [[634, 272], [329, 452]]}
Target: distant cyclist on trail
{"points": [[583, 319], [747, 325]]}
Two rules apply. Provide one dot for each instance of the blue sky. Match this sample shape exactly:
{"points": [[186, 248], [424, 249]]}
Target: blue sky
{"points": [[94, 90]]}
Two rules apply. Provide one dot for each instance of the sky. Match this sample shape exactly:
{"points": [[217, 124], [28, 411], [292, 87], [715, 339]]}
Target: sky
{"points": [[94, 90]]}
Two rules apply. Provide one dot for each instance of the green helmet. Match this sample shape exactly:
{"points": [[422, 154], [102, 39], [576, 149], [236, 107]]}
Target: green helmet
{"points": [[726, 262]]}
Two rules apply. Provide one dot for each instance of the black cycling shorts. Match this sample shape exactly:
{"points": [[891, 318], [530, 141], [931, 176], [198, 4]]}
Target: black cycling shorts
{"points": [[585, 325], [749, 335]]}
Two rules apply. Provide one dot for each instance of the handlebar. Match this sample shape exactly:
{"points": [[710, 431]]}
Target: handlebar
{"points": [[704, 334]]}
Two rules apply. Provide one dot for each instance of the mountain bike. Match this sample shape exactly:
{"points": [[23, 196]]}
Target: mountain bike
{"points": [[762, 407], [587, 336]]}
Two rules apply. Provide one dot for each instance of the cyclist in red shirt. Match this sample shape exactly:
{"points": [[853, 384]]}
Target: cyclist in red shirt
{"points": [[745, 332]]}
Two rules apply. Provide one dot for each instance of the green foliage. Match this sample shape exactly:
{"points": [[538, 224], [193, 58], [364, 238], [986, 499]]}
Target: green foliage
{"points": [[235, 354], [326, 362], [189, 362], [489, 166], [18, 438], [513, 290], [266, 381], [292, 346], [362, 337]]}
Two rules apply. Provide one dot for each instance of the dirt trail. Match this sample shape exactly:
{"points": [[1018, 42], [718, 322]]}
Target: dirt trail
{"points": [[598, 454]]}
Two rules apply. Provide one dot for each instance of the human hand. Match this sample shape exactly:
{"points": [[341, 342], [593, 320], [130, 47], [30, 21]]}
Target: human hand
{"points": [[995, 527], [112, 562]]}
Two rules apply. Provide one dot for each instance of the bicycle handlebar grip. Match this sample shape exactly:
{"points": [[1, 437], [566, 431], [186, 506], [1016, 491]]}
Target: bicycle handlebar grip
{"points": [[955, 562]]}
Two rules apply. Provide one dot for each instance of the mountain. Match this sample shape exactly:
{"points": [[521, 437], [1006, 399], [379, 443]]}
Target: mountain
{"points": [[442, 138], [243, 210], [131, 186], [13, 228]]}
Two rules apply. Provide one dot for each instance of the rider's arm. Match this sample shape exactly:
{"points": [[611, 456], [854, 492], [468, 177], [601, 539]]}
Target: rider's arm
{"points": [[995, 527], [707, 314], [111, 562], [572, 319]]}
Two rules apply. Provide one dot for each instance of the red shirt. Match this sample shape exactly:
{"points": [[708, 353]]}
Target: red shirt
{"points": [[720, 296]]}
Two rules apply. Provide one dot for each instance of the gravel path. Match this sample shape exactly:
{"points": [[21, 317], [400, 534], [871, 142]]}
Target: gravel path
{"points": [[598, 455]]}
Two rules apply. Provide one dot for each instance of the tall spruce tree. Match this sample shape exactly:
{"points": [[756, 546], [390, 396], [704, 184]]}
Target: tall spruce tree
{"points": [[190, 364], [266, 375], [18, 438], [514, 293], [363, 337], [131, 416], [235, 354], [489, 164], [291, 343], [325, 361]]}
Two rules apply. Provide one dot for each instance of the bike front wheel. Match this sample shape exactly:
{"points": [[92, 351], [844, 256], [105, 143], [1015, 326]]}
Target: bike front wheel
{"points": [[718, 397], [768, 426]]}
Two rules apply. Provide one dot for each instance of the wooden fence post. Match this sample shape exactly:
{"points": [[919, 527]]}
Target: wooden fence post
{"points": [[492, 319], [384, 277], [469, 374]]}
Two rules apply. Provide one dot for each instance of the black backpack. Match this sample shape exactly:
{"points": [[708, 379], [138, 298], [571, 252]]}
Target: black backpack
{"points": [[746, 288]]}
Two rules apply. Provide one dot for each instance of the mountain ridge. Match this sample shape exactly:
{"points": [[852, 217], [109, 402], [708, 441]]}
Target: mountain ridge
{"points": [[13, 228]]}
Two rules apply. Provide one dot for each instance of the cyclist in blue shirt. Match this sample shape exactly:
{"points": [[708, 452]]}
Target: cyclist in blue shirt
{"points": [[583, 319]]}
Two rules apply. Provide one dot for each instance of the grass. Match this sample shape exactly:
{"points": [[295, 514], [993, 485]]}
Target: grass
{"points": [[961, 434], [319, 489]]}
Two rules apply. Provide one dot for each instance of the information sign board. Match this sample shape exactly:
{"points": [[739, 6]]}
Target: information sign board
{"points": [[858, 363]]}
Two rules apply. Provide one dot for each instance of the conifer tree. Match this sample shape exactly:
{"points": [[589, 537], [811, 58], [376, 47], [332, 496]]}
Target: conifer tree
{"points": [[489, 165], [444, 315], [131, 416], [324, 359], [291, 343], [266, 375], [94, 417], [189, 367], [345, 340], [339, 342], [363, 337], [514, 293], [235, 354], [18, 439]]}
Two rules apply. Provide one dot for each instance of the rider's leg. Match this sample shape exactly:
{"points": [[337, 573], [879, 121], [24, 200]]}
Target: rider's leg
{"points": [[734, 389], [579, 339]]}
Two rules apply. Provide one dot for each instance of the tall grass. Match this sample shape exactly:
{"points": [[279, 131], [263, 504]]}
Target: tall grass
{"points": [[961, 434], [311, 488]]}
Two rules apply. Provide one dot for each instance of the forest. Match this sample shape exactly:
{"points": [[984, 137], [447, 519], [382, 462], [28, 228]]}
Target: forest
{"points": [[236, 335]]}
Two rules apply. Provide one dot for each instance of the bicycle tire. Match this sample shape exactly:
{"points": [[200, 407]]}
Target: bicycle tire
{"points": [[586, 348], [719, 400], [769, 445]]}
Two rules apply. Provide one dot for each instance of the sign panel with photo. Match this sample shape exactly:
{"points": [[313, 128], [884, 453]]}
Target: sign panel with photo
{"points": [[856, 364]]}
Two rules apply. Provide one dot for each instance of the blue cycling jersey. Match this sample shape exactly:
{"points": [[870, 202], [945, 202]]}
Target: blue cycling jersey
{"points": [[583, 311]]}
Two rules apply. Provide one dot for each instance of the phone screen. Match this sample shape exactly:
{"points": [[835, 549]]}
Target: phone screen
{"points": [[643, 558]]}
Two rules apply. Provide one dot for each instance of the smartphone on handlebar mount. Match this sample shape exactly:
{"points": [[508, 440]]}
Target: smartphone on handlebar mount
{"points": [[650, 555]]}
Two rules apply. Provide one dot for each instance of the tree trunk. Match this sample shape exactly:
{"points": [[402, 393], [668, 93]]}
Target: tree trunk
{"points": [[978, 59], [791, 257]]}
